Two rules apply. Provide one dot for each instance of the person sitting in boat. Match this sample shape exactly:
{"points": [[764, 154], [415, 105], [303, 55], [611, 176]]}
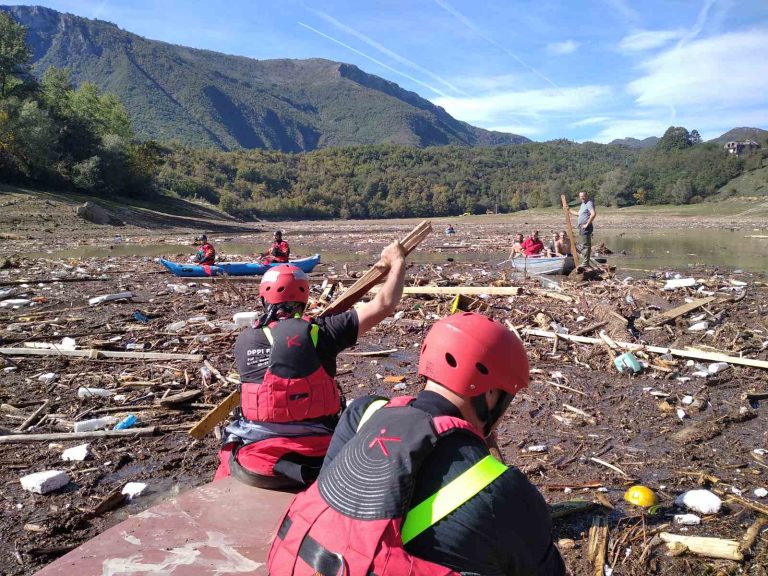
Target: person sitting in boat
{"points": [[533, 246], [290, 402], [564, 247], [517, 247], [278, 252], [409, 485], [449, 230], [551, 247], [206, 254]]}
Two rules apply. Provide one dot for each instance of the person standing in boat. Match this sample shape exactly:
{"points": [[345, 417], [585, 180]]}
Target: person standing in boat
{"points": [[533, 246], [290, 401], [206, 254], [586, 216], [409, 485], [278, 252]]}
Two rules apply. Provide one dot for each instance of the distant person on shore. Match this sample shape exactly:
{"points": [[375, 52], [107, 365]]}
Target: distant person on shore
{"points": [[533, 246], [449, 230], [517, 247], [206, 254], [278, 252], [586, 215]]}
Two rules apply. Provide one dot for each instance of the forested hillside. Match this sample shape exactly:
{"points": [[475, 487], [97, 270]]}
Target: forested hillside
{"points": [[208, 99]]}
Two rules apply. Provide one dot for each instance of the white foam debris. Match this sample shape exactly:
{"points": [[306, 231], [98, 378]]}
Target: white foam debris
{"points": [[44, 482], [687, 519], [77, 453], [134, 489], [701, 501]]}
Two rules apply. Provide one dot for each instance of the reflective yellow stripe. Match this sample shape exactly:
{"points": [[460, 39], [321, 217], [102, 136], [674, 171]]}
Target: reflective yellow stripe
{"points": [[268, 334], [369, 411], [451, 496]]}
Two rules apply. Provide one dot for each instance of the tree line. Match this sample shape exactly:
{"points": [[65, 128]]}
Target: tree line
{"points": [[55, 134]]}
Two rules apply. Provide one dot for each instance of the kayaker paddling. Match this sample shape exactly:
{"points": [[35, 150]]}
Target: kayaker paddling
{"points": [[290, 402], [278, 252]]}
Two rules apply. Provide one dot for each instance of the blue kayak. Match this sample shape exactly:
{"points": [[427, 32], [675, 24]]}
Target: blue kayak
{"points": [[234, 268]]}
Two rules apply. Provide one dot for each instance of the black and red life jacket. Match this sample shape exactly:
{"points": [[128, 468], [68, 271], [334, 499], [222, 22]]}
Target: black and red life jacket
{"points": [[356, 518], [295, 387]]}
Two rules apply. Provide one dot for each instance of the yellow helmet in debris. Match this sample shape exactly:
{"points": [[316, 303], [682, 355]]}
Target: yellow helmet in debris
{"points": [[641, 496]]}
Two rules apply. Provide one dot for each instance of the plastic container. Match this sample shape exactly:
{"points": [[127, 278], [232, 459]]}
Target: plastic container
{"points": [[176, 326], [627, 361], [245, 318], [126, 422], [85, 392], [94, 424]]}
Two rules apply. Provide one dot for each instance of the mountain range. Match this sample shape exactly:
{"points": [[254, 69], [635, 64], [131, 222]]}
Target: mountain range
{"points": [[205, 98]]}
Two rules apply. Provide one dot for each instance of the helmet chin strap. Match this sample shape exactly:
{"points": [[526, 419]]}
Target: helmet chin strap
{"points": [[489, 416], [279, 311]]}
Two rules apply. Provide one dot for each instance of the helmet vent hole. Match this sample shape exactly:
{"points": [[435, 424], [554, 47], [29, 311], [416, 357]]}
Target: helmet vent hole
{"points": [[451, 360], [268, 288], [302, 288], [281, 288], [481, 368]]}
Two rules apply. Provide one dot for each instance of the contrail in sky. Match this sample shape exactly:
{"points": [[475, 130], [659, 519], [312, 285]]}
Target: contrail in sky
{"points": [[471, 25], [384, 50], [372, 59], [701, 20]]}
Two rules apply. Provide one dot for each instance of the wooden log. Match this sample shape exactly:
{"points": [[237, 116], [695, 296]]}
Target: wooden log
{"points": [[63, 436], [216, 415], [354, 293], [569, 230], [591, 328], [462, 290], [94, 354], [51, 281], [705, 546], [598, 545], [752, 534], [372, 352], [632, 347], [674, 313], [180, 398]]}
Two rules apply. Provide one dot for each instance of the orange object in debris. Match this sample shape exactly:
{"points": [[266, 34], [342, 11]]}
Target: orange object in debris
{"points": [[641, 496]]}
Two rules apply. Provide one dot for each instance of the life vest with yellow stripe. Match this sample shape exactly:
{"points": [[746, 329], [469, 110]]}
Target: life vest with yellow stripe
{"points": [[295, 387], [357, 517]]}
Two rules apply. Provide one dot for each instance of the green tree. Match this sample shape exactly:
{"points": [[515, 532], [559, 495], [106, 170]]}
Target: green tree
{"points": [[14, 53], [695, 137], [675, 138]]}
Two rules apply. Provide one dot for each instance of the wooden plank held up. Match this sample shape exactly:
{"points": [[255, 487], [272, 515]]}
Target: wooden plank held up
{"points": [[216, 415], [569, 229], [376, 274]]}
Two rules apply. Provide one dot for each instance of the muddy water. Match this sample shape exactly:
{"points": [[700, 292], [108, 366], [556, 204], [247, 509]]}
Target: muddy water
{"points": [[645, 250]]}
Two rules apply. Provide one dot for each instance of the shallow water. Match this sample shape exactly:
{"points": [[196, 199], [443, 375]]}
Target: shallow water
{"points": [[651, 250]]}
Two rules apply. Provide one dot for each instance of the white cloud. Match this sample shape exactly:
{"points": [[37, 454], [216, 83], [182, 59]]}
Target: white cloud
{"points": [[562, 48], [634, 128], [590, 121], [495, 83], [528, 130], [496, 108], [650, 39], [729, 70]]}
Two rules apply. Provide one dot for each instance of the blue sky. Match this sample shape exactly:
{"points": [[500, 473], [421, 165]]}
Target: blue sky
{"points": [[594, 70]]}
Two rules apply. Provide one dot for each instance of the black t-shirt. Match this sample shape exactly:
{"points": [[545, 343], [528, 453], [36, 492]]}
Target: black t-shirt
{"points": [[505, 530], [337, 332]]}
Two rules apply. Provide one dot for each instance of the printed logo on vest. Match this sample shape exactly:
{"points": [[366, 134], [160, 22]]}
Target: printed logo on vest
{"points": [[380, 441], [292, 341]]}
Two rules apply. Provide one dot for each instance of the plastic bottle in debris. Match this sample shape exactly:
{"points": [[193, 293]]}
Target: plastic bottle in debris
{"points": [[205, 375], [126, 422], [176, 326], [94, 424]]}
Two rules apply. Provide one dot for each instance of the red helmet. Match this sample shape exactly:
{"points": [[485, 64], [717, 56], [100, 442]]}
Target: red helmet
{"points": [[284, 283], [470, 354]]}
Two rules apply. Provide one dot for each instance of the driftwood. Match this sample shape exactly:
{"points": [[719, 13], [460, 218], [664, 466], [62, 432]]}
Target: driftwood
{"points": [[674, 313], [94, 354], [562, 509], [216, 415], [463, 290], [704, 546], [696, 354], [56, 436], [752, 534], [569, 230], [354, 293], [35, 415], [372, 353], [598, 545]]}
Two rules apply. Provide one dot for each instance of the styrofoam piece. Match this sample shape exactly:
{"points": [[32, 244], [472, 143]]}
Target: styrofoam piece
{"points": [[134, 489], [44, 482], [761, 492], [716, 367], [197, 319], [48, 378], [687, 519], [15, 303], [245, 318], [701, 501], [679, 283], [537, 448], [77, 453], [68, 344], [96, 300], [687, 400], [698, 327]]}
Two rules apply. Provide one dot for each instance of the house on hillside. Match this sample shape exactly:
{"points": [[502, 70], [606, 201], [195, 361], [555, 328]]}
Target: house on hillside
{"points": [[741, 147]]}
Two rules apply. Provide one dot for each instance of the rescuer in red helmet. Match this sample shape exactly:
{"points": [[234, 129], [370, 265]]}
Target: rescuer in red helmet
{"points": [[290, 402], [408, 485]]}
